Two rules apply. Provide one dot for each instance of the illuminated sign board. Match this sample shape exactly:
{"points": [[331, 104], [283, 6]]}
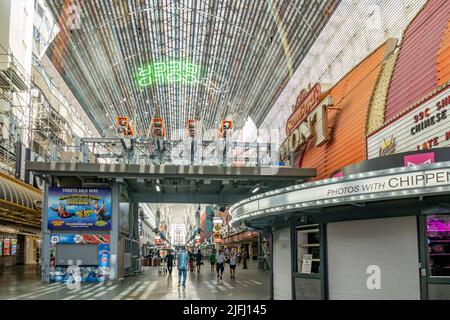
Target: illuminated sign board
{"points": [[424, 127], [168, 72]]}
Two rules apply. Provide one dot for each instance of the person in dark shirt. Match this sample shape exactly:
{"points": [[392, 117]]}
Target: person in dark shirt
{"points": [[244, 258], [169, 259], [191, 261], [199, 259]]}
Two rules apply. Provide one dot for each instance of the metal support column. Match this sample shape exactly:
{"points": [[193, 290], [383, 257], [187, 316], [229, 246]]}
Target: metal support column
{"points": [[134, 236], [45, 244], [271, 265], [192, 152], [114, 244]]}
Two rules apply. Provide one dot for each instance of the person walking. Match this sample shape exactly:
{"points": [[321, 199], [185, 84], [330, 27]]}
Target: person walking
{"points": [[220, 259], [212, 259], [198, 260], [169, 259], [182, 267], [232, 262], [244, 258], [191, 260]]}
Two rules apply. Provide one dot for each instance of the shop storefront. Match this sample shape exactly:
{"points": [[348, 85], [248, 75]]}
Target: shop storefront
{"points": [[8, 252], [19, 223], [373, 223], [19, 246], [379, 234]]}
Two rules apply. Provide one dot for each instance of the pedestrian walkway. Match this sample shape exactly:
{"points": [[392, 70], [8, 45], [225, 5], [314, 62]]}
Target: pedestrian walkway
{"points": [[24, 283]]}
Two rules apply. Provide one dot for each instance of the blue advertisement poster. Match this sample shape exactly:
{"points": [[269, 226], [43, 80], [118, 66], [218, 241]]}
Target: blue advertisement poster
{"points": [[13, 247], [79, 208], [103, 255]]}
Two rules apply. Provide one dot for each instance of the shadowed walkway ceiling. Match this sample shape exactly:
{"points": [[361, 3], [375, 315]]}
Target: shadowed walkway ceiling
{"points": [[182, 59]]}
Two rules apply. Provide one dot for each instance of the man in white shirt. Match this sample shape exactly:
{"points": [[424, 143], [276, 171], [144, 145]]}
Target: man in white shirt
{"points": [[220, 260]]}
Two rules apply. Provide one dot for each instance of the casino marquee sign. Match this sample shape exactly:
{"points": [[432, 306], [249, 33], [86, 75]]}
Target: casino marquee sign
{"points": [[308, 120]]}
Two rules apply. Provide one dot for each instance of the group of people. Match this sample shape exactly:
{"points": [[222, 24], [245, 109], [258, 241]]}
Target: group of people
{"points": [[186, 260], [218, 259], [195, 259]]}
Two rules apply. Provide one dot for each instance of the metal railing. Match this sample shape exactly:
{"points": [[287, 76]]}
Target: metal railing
{"points": [[150, 151]]}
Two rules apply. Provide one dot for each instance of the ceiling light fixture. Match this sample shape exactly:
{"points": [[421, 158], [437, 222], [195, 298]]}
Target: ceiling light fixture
{"points": [[256, 189], [158, 188]]}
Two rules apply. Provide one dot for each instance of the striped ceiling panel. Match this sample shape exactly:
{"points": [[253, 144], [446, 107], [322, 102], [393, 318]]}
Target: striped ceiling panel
{"points": [[245, 51]]}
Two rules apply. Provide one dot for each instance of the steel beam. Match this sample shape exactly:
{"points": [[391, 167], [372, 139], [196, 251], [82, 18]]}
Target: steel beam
{"points": [[145, 197], [127, 171]]}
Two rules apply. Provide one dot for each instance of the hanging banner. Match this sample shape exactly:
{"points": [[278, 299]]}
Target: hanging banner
{"points": [[124, 216], [6, 247], [80, 239], [424, 127], [209, 219], [79, 209], [217, 230], [13, 247]]}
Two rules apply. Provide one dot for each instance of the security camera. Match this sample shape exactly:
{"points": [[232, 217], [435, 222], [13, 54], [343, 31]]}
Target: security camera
{"points": [[305, 219]]}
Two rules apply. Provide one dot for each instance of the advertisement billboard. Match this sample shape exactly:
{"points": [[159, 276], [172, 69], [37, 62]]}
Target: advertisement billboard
{"points": [[79, 208], [423, 127]]}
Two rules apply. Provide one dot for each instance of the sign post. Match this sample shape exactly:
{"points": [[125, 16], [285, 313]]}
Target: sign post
{"points": [[307, 263]]}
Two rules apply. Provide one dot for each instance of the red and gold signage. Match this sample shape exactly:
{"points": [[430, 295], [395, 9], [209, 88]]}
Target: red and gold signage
{"points": [[305, 126], [158, 129], [124, 126], [225, 125], [192, 127], [300, 99], [303, 106]]}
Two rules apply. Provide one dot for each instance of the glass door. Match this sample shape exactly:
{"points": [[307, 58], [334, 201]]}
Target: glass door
{"points": [[438, 256], [307, 271]]}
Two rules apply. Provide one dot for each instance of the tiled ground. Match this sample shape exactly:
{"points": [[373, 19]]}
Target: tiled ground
{"points": [[24, 283]]}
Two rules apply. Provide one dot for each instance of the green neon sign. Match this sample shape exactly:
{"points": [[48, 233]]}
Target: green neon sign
{"points": [[168, 72]]}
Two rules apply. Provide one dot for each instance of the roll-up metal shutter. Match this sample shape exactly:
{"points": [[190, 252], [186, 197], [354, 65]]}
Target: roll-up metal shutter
{"points": [[282, 276], [391, 244]]}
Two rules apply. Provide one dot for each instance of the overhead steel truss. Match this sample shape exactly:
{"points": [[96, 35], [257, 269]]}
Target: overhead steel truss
{"points": [[156, 151]]}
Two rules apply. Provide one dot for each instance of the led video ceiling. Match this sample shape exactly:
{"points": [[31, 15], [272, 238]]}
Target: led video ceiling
{"points": [[182, 59]]}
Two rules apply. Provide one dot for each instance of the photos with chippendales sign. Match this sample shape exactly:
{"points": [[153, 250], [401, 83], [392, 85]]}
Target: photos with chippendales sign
{"points": [[406, 182]]}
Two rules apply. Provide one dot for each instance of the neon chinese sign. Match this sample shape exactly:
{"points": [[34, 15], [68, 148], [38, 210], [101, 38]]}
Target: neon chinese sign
{"points": [[168, 72]]}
